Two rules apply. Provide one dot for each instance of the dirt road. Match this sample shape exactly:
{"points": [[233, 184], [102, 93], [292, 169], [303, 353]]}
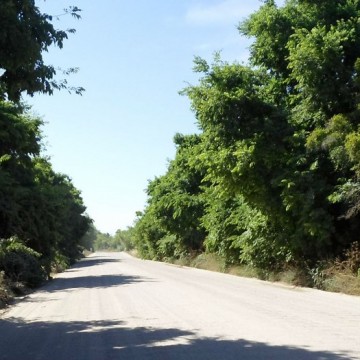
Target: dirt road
{"points": [[112, 306]]}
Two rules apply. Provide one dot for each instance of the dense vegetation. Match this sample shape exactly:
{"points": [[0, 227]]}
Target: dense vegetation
{"points": [[121, 241], [43, 224], [272, 180]]}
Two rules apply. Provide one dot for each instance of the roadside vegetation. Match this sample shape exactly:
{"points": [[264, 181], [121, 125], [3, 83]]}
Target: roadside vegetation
{"points": [[121, 241], [43, 224], [336, 275], [271, 181]]}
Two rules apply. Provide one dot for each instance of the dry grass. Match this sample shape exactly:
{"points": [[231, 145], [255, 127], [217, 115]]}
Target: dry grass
{"points": [[343, 283], [209, 262], [243, 271], [133, 253], [335, 277], [343, 275]]}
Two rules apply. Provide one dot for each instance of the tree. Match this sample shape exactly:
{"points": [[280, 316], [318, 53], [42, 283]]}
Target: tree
{"points": [[19, 143], [270, 129], [103, 241], [87, 241], [123, 239], [39, 206], [25, 35], [42, 215], [171, 224], [274, 175]]}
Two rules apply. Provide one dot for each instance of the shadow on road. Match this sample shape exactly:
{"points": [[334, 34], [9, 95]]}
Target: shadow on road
{"points": [[96, 340], [93, 261], [93, 281]]}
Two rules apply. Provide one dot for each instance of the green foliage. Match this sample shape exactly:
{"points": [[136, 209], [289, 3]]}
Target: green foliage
{"points": [[272, 181], [124, 239], [88, 239], [36, 204], [252, 150], [26, 34], [147, 233], [171, 224], [103, 241], [59, 262], [20, 263], [169, 247]]}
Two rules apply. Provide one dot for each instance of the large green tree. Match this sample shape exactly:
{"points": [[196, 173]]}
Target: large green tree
{"points": [[283, 133], [40, 207], [171, 224], [42, 215], [279, 153], [319, 75]]}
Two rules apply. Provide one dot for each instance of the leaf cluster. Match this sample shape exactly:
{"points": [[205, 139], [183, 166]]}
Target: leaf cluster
{"points": [[26, 33]]}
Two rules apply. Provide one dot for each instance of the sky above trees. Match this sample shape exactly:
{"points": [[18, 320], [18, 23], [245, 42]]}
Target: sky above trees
{"points": [[134, 57]]}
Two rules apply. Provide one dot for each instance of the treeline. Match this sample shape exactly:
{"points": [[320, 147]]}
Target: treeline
{"points": [[121, 241], [43, 225], [272, 179]]}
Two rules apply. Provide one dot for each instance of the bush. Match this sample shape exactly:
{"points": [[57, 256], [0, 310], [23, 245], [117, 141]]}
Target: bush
{"points": [[60, 263], [5, 293], [20, 263]]}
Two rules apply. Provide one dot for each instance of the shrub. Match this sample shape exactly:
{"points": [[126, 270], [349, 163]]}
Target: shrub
{"points": [[20, 263], [60, 263], [5, 293]]}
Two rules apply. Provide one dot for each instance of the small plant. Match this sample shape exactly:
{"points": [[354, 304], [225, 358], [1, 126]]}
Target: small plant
{"points": [[318, 276]]}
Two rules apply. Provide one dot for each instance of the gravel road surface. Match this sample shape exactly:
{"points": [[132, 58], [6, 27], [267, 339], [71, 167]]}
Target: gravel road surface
{"points": [[112, 306]]}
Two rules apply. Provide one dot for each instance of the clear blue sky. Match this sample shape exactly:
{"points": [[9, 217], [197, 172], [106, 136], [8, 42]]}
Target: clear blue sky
{"points": [[134, 58]]}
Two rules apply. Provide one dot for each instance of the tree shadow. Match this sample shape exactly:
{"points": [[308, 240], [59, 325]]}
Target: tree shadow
{"points": [[93, 261], [97, 340], [92, 282]]}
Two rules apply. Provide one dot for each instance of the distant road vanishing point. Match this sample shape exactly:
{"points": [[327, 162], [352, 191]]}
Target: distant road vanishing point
{"points": [[112, 306]]}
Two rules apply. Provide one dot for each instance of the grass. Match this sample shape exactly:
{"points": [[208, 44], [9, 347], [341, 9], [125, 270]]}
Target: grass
{"points": [[334, 277], [243, 271], [210, 262], [343, 283]]}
